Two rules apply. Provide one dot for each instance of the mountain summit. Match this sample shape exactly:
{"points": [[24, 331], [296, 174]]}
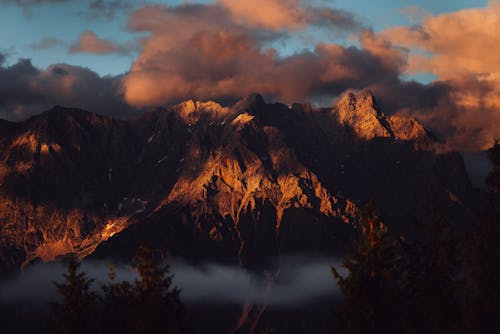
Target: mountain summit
{"points": [[361, 113], [210, 182]]}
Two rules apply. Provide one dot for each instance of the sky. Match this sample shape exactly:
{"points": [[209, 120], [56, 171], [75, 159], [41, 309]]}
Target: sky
{"points": [[25, 24], [437, 61]]}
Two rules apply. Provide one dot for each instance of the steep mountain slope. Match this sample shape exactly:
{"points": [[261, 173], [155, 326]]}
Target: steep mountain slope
{"points": [[204, 181], [56, 184]]}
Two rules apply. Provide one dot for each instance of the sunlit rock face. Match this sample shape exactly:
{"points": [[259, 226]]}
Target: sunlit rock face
{"points": [[56, 192], [204, 181], [362, 114]]}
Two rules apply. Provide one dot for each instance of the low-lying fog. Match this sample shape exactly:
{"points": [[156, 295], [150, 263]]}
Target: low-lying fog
{"points": [[295, 281]]}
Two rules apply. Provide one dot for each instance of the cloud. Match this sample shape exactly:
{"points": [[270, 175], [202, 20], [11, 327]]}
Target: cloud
{"points": [[286, 14], [26, 90], [109, 9], [89, 42], [336, 18], [27, 3], [47, 43], [459, 48], [267, 14], [217, 51], [296, 281], [299, 281], [458, 43]]}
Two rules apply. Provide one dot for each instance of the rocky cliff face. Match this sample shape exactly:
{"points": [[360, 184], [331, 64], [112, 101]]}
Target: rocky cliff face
{"points": [[362, 114], [202, 180]]}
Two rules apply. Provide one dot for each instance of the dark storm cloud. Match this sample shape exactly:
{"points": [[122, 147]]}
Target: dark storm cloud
{"points": [[26, 90]]}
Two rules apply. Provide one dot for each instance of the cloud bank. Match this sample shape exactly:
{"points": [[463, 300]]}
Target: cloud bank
{"points": [[219, 51], [26, 90], [461, 49]]}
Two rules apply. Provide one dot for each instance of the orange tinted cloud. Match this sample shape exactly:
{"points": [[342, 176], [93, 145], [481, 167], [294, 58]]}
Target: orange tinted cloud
{"points": [[461, 49], [464, 112], [463, 42], [89, 42], [216, 51], [277, 15], [269, 14]]}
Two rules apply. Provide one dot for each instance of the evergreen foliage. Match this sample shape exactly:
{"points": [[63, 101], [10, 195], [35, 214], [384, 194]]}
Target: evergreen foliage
{"points": [[74, 313], [148, 305], [370, 290]]}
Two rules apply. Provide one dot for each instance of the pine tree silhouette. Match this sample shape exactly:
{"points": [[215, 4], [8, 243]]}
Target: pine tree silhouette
{"points": [[371, 295], [118, 306], [74, 313], [434, 273], [150, 304]]}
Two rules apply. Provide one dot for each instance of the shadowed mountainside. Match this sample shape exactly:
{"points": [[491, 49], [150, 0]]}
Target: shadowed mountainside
{"points": [[209, 182]]}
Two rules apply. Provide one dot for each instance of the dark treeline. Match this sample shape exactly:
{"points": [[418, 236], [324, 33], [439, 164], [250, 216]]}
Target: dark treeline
{"points": [[441, 283], [148, 305]]}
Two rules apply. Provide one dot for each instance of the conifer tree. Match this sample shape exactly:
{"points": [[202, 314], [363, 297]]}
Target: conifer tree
{"points": [[150, 304], [118, 305], [371, 297], [434, 270], [160, 307], [74, 313]]}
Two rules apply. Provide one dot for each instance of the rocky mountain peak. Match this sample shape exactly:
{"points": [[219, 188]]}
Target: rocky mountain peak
{"points": [[360, 101], [191, 111], [361, 112], [250, 104]]}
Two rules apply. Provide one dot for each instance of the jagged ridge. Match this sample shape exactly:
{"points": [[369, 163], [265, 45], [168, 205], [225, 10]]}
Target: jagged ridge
{"points": [[70, 180]]}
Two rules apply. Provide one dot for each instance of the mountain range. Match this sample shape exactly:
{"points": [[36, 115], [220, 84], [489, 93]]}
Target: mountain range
{"points": [[241, 184]]}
